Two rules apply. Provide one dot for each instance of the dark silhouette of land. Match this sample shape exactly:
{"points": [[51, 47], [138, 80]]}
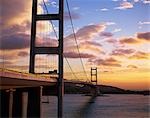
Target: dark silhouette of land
{"points": [[104, 89], [71, 88]]}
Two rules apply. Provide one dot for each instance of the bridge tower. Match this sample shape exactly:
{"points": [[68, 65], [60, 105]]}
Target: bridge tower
{"points": [[94, 75], [95, 91], [49, 50]]}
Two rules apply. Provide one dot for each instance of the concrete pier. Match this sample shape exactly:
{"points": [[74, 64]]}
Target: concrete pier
{"points": [[21, 102]]}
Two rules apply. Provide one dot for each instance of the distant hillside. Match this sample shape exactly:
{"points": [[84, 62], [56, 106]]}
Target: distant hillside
{"points": [[77, 89], [80, 89], [110, 89], [72, 88]]}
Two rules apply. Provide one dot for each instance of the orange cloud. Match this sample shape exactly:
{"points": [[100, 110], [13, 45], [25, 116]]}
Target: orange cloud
{"points": [[23, 53], [129, 41], [125, 5], [46, 42], [141, 37], [106, 62], [140, 55], [132, 66], [15, 11]]}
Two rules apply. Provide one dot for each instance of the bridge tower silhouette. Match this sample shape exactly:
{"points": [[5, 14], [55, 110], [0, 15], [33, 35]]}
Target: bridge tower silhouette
{"points": [[94, 75], [49, 50], [94, 81]]}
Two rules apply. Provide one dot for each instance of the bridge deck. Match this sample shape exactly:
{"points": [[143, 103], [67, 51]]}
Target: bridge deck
{"points": [[12, 79]]}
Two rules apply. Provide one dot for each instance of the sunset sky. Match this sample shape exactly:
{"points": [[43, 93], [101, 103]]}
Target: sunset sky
{"points": [[112, 35]]}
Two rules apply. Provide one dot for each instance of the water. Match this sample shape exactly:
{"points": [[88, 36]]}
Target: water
{"points": [[111, 106]]}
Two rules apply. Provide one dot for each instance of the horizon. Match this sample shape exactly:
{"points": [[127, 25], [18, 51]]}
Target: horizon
{"points": [[112, 35]]}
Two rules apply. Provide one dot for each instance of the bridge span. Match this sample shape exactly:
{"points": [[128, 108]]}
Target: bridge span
{"points": [[13, 79]]}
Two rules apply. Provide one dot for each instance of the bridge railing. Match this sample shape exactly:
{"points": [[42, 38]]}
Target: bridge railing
{"points": [[28, 76], [21, 75]]}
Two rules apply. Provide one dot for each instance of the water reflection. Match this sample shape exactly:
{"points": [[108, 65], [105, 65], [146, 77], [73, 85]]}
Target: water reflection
{"points": [[85, 111]]}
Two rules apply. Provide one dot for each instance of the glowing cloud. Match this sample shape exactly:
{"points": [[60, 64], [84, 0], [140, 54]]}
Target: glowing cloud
{"points": [[104, 9], [15, 11], [132, 66], [129, 41], [124, 5], [140, 56], [106, 62]]}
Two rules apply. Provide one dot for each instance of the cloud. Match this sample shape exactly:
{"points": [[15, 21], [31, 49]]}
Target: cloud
{"points": [[124, 5], [140, 55], [136, 0], [91, 47], [15, 36], [5, 62], [44, 27], [144, 35], [74, 16], [106, 62], [117, 30], [76, 8], [146, 1], [84, 37], [54, 4], [23, 53], [132, 67], [144, 23], [15, 41], [106, 34], [129, 41], [89, 30], [6, 55], [76, 55], [91, 43], [104, 9], [15, 11], [46, 42], [110, 23], [141, 37], [13, 29], [122, 52], [112, 40]]}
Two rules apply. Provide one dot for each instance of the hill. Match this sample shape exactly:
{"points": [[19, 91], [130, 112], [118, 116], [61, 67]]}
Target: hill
{"points": [[104, 89], [70, 88]]}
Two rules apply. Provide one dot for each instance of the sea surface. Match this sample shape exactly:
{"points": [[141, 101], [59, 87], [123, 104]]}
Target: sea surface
{"points": [[109, 106]]}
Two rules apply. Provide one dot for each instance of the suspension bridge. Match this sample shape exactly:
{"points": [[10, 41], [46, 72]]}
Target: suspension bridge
{"points": [[46, 68]]}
